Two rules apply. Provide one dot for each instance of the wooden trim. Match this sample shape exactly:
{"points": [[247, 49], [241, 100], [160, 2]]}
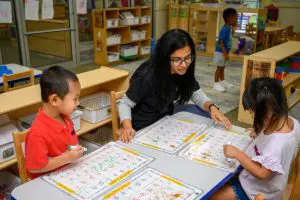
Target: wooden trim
{"points": [[19, 138], [17, 76]]}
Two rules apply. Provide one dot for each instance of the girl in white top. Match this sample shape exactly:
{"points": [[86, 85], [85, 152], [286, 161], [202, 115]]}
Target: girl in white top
{"points": [[267, 159]]}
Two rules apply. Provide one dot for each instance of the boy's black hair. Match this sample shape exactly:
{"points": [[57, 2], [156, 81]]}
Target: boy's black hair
{"points": [[54, 80], [228, 12], [266, 98]]}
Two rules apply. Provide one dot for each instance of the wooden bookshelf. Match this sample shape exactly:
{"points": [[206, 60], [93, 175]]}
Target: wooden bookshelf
{"points": [[263, 64], [101, 32], [27, 100]]}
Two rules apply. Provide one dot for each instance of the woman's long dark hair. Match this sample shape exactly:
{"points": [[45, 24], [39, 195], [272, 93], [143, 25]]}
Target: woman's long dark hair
{"points": [[266, 98], [168, 43]]}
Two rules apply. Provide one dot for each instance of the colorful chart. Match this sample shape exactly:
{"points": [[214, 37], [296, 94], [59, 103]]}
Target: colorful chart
{"points": [[153, 185], [98, 171], [208, 148], [168, 134]]}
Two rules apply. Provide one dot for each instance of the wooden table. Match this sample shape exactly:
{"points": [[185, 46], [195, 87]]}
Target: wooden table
{"points": [[269, 30], [19, 68]]}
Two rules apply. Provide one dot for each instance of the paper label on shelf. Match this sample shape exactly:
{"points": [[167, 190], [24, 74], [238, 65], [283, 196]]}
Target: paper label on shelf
{"points": [[31, 10], [47, 9], [81, 6], [5, 12]]}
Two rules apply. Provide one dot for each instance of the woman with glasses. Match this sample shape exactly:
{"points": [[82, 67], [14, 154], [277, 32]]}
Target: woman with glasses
{"points": [[163, 84]]}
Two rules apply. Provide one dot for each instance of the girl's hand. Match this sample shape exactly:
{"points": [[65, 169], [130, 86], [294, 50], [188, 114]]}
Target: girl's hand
{"points": [[252, 134], [218, 116], [126, 134], [230, 151]]}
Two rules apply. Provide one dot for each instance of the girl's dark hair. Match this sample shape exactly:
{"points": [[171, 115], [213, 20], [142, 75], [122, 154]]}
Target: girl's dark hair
{"points": [[54, 80], [266, 98], [168, 43]]}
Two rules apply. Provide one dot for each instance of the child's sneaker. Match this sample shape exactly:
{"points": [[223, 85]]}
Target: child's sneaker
{"points": [[226, 84], [218, 87]]}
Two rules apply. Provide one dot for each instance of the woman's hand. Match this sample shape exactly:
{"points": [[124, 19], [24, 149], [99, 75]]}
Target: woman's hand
{"points": [[127, 132], [218, 116], [230, 151]]}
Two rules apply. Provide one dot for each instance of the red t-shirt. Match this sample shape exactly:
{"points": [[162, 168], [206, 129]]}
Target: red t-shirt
{"points": [[46, 138]]}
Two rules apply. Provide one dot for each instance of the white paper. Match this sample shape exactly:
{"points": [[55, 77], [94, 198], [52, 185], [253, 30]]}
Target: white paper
{"points": [[5, 12], [47, 9], [32, 10], [98, 171], [81, 6], [168, 134], [6, 133]]}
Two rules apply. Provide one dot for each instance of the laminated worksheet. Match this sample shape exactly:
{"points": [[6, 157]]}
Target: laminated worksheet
{"points": [[208, 148], [168, 134], [151, 184], [98, 171]]}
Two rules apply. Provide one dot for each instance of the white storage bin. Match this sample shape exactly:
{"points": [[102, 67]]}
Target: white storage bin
{"points": [[138, 35], [8, 182], [75, 116], [96, 107], [112, 23], [113, 56], [114, 39], [127, 51], [7, 147], [142, 35], [89, 145], [136, 20], [145, 19], [145, 50]]}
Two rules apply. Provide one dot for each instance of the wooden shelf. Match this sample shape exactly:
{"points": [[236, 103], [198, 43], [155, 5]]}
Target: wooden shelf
{"points": [[125, 26], [289, 78], [86, 126], [8, 163], [202, 31], [280, 52], [99, 18]]}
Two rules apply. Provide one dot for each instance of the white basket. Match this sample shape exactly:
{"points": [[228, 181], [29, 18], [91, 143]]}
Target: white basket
{"points": [[75, 116], [114, 39], [24, 123], [138, 35], [129, 50], [145, 50], [9, 181], [113, 56], [130, 21], [145, 19], [112, 23], [96, 107]]}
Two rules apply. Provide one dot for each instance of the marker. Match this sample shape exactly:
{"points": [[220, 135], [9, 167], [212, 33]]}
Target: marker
{"points": [[70, 147], [229, 159]]}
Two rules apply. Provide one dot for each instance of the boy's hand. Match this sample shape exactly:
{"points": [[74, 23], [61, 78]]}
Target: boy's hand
{"points": [[74, 154], [126, 134], [230, 151], [252, 134]]}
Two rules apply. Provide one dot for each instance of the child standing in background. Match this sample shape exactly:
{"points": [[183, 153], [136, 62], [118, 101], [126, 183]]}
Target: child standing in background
{"points": [[223, 49], [267, 159], [52, 132]]}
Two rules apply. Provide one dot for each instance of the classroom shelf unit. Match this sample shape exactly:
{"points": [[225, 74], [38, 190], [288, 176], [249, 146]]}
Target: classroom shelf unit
{"points": [[27, 100], [205, 23], [112, 33], [263, 64]]}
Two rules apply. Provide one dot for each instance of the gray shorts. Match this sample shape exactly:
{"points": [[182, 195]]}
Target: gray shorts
{"points": [[219, 59]]}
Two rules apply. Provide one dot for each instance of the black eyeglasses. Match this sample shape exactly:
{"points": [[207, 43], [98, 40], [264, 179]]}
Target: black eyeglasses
{"points": [[179, 60]]}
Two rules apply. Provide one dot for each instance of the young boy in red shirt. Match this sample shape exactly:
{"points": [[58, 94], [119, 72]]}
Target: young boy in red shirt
{"points": [[46, 145]]}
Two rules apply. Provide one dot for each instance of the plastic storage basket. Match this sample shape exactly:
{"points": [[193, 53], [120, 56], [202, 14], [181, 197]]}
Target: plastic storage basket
{"points": [[96, 107]]}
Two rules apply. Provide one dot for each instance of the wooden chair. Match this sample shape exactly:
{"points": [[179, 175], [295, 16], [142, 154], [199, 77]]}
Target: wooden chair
{"points": [[114, 97], [19, 138], [7, 78]]}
